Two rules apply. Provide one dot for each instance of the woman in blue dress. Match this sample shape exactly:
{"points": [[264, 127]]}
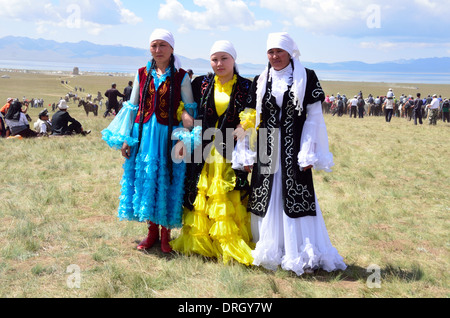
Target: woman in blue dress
{"points": [[152, 184]]}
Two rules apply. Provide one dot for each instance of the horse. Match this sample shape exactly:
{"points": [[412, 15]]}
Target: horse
{"points": [[89, 107], [326, 107], [98, 98]]}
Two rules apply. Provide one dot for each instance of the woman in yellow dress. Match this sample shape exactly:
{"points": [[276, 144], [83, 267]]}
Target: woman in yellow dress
{"points": [[216, 222]]}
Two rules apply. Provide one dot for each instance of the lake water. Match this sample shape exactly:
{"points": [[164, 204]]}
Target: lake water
{"points": [[442, 78]]}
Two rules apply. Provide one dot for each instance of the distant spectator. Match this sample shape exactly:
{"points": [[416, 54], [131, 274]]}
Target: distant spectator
{"points": [[345, 101], [113, 103], [61, 120], [377, 101], [17, 121], [361, 104], [388, 109], [390, 94], [353, 106], [371, 108], [127, 91], [340, 107], [417, 112], [409, 108], [43, 125], [433, 109], [445, 110]]}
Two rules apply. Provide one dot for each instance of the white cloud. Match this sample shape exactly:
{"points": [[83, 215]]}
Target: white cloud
{"points": [[355, 18], [127, 17], [91, 16], [318, 16], [427, 4], [22, 9], [217, 14]]}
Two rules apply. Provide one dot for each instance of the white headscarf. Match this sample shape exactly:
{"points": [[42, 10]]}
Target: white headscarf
{"points": [[227, 47], [282, 40], [164, 35]]}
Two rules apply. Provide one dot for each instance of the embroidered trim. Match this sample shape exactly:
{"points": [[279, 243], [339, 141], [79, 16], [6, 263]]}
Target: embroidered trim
{"points": [[294, 189]]}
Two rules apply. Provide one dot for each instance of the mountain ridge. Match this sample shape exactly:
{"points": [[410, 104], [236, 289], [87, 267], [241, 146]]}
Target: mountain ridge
{"points": [[27, 49]]}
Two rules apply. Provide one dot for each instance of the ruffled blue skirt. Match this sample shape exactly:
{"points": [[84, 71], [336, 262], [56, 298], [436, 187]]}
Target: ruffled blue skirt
{"points": [[147, 192]]}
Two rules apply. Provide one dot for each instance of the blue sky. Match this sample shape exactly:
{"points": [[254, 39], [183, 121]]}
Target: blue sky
{"points": [[325, 30]]}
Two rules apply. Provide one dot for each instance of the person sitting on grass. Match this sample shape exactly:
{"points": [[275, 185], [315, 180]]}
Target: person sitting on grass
{"points": [[5, 108], [2, 127], [43, 125], [17, 121], [61, 120]]}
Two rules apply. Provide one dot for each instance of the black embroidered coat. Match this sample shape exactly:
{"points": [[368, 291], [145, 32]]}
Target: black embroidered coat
{"points": [[298, 188], [203, 89]]}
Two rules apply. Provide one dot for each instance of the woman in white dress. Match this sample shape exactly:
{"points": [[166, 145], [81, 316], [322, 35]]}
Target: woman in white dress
{"points": [[287, 223]]}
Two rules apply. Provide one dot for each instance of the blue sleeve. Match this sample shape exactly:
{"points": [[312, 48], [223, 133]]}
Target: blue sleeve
{"points": [[120, 128]]}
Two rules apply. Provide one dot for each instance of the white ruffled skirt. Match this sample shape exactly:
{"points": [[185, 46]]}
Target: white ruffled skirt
{"points": [[294, 244]]}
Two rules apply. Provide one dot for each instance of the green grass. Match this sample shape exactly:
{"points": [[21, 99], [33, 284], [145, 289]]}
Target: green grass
{"points": [[385, 203]]}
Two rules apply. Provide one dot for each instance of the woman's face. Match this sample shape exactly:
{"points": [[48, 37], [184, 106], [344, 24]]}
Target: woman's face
{"points": [[278, 58], [222, 64], [161, 51]]}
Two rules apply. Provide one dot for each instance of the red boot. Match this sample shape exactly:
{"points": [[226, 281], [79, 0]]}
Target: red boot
{"points": [[152, 237], [165, 238]]}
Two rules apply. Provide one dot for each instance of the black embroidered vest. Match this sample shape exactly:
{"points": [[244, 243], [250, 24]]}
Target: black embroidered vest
{"points": [[203, 89], [298, 188]]}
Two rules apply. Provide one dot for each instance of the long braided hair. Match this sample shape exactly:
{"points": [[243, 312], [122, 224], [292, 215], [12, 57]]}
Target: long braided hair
{"points": [[171, 114]]}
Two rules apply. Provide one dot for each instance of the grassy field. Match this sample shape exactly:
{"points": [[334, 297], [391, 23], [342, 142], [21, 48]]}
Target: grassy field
{"points": [[386, 206]]}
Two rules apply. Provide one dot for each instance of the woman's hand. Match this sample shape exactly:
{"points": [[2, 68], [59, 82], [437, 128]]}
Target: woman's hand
{"points": [[126, 150], [188, 120], [239, 133], [248, 169], [306, 168]]}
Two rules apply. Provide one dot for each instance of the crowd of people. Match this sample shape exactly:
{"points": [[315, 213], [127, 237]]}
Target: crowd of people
{"points": [[16, 123], [415, 108]]}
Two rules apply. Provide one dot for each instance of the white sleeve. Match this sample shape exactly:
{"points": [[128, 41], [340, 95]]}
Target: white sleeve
{"points": [[243, 156], [43, 128], [187, 96], [134, 98], [314, 147]]}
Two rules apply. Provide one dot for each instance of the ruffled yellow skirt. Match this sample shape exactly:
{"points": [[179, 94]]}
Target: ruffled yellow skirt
{"points": [[219, 225]]}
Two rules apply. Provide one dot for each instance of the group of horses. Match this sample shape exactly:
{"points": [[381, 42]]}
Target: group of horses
{"points": [[370, 109], [89, 105]]}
